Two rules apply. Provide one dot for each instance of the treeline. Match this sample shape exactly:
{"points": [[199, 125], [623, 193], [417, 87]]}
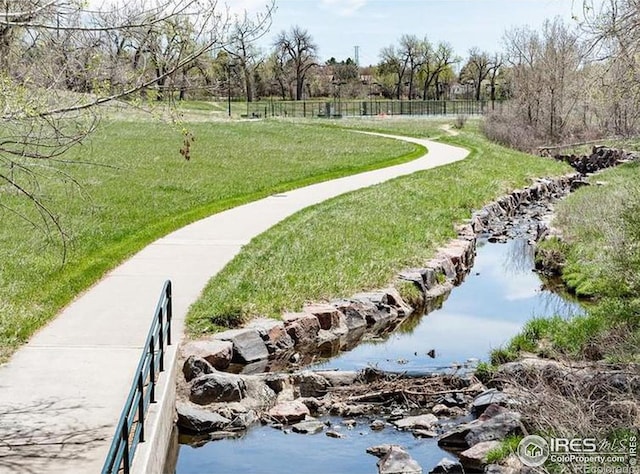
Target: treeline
{"points": [[189, 49], [572, 81], [568, 79]]}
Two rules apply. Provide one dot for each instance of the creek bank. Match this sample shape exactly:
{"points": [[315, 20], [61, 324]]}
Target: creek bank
{"points": [[322, 330], [441, 404]]}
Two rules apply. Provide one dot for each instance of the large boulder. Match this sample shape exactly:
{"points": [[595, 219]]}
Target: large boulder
{"points": [[416, 277], [308, 427], [489, 397], [339, 378], [196, 420], [354, 315], [328, 315], [455, 438], [475, 458], [458, 252], [398, 461], [496, 423], [302, 327], [389, 297], [310, 384], [217, 387], [216, 352], [258, 395], [447, 466], [248, 346], [382, 318], [496, 428], [328, 343], [289, 412], [194, 367], [273, 333], [381, 450], [420, 422]]}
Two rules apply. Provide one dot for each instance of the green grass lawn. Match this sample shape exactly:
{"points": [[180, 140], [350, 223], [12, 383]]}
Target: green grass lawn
{"points": [[140, 188], [360, 240]]}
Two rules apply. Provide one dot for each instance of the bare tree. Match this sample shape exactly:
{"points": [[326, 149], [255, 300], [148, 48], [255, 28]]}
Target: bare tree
{"points": [[476, 70], [548, 79], [497, 62], [52, 49], [413, 53], [613, 29], [435, 63], [244, 52], [278, 72], [298, 48], [393, 63]]}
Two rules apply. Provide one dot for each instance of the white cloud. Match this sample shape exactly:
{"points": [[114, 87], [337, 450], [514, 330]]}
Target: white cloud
{"points": [[344, 7]]}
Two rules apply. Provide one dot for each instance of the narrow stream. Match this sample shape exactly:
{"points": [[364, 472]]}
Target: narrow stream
{"points": [[499, 295], [495, 300]]}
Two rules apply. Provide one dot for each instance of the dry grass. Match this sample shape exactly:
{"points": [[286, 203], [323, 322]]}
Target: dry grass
{"points": [[569, 400]]}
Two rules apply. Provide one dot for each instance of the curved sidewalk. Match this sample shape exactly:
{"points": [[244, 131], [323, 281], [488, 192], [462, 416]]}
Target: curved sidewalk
{"points": [[62, 393]]}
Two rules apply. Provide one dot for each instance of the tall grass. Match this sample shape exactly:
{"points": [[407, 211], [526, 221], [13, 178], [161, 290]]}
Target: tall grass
{"points": [[600, 255], [360, 240]]}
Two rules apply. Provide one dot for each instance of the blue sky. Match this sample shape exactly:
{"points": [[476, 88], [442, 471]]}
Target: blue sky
{"points": [[339, 25]]}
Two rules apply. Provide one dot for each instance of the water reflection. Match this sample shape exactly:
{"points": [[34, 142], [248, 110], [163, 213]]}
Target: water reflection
{"points": [[491, 306], [265, 450], [497, 298]]}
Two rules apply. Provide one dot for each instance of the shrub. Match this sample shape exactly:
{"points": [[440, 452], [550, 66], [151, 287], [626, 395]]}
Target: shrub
{"points": [[460, 122], [502, 128]]}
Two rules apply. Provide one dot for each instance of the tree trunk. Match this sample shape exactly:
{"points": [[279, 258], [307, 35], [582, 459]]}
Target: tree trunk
{"points": [[183, 86], [161, 83], [411, 85], [5, 44], [299, 87], [248, 84], [478, 88], [427, 84]]}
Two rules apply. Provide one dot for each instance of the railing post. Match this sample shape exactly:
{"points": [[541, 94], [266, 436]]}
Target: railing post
{"points": [[152, 371], [161, 340], [125, 440], [169, 312], [141, 406]]}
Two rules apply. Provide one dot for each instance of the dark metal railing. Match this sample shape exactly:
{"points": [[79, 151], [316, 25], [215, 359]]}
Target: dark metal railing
{"points": [[130, 430]]}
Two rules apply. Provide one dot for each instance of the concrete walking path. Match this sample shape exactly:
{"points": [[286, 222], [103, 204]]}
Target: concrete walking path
{"points": [[62, 393]]}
